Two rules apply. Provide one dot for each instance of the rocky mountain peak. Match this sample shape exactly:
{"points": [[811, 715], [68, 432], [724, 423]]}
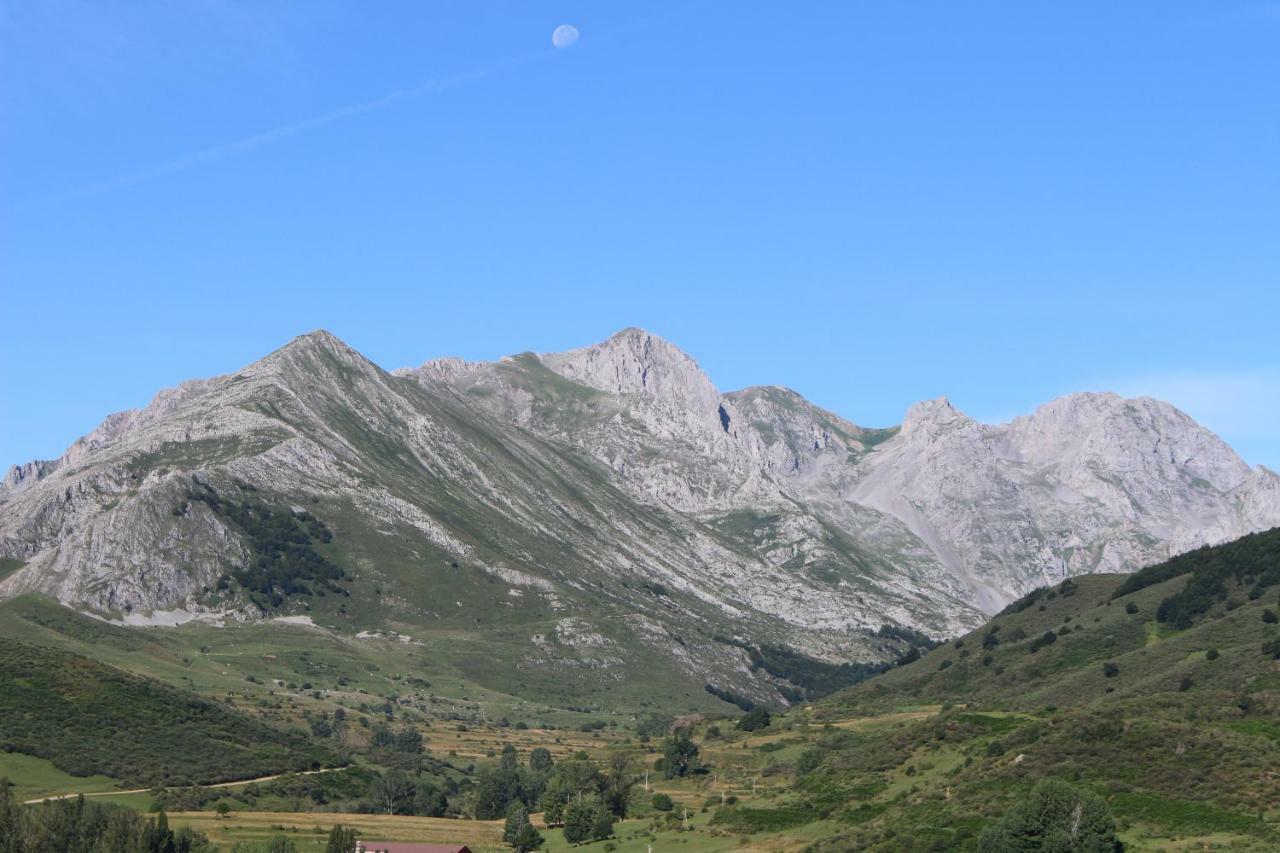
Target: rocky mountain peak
{"points": [[315, 344], [932, 417], [634, 361], [21, 476], [922, 526], [445, 369], [315, 363], [1122, 434]]}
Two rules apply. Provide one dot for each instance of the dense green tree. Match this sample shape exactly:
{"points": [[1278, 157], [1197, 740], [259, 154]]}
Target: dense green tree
{"points": [[78, 826], [553, 800], [518, 832], [394, 793], [496, 789], [663, 803], [587, 819], [9, 818], [527, 839], [517, 815], [679, 755], [755, 719], [1054, 818], [573, 777], [157, 837], [430, 801], [121, 833], [540, 760], [342, 839], [618, 782], [602, 823]]}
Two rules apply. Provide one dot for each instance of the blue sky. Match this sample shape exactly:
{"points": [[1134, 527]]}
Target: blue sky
{"points": [[871, 202]]}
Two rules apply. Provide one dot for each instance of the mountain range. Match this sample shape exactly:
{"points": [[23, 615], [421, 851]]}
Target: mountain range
{"points": [[603, 510]]}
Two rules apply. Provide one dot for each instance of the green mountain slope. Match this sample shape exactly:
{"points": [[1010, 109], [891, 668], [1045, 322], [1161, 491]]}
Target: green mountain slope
{"points": [[1093, 682], [313, 484], [91, 719]]}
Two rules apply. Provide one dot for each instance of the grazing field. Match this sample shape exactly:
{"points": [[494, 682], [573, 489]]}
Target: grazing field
{"points": [[33, 778], [309, 830]]}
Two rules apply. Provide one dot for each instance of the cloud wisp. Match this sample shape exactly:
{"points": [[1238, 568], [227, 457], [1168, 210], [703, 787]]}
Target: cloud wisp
{"points": [[279, 133]]}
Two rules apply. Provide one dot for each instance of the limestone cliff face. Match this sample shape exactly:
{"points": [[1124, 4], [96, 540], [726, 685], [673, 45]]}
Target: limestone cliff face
{"points": [[587, 477], [1089, 482], [636, 362]]}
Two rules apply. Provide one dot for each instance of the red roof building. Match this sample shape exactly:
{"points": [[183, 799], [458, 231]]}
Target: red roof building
{"points": [[401, 847]]}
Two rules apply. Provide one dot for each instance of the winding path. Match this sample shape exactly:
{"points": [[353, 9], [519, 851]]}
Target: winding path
{"points": [[214, 785]]}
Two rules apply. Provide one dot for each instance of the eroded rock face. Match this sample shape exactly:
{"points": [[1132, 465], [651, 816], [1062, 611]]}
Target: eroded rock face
{"points": [[600, 475], [1089, 482]]}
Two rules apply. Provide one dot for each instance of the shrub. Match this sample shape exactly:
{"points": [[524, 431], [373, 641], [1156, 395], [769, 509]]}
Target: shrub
{"points": [[1212, 654], [1131, 608], [1054, 816], [750, 820], [1269, 616], [808, 761], [663, 803], [1111, 669], [1048, 638]]}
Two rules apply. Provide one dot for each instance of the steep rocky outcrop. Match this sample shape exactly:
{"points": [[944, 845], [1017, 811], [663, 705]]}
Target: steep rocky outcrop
{"points": [[616, 488]]}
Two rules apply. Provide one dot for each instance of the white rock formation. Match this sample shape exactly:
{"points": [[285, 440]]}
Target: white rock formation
{"points": [[605, 474]]}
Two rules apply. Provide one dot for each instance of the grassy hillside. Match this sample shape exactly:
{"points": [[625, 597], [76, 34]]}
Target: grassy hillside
{"points": [[1102, 681], [1052, 647], [1165, 712], [89, 718]]}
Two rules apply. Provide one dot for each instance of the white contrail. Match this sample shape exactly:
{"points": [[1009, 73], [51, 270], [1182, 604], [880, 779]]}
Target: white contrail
{"points": [[275, 134]]}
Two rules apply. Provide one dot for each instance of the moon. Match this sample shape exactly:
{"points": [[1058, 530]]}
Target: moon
{"points": [[565, 35]]}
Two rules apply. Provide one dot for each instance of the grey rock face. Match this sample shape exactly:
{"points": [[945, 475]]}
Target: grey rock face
{"points": [[583, 478], [1087, 483], [21, 476]]}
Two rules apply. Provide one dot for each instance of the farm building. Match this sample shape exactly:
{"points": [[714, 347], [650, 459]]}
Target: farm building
{"points": [[401, 847]]}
